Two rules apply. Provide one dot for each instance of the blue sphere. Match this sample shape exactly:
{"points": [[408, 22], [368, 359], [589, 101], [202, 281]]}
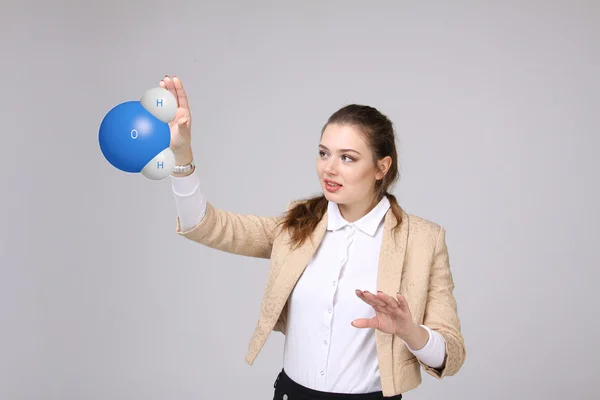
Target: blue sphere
{"points": [[130, 136]]}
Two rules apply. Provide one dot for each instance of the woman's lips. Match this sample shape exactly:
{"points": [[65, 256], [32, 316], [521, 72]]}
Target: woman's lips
{"points": [[332, 186]]}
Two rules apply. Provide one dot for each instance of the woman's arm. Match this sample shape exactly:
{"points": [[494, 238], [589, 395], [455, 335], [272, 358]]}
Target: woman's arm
{"points": [[441, 311], [198, 220]]}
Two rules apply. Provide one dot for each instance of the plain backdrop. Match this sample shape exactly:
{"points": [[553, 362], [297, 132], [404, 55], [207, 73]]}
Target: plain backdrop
{"points": [[496, 106]]}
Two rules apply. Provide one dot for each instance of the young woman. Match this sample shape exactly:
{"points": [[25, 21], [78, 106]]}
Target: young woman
{"points": [[362, 291]]}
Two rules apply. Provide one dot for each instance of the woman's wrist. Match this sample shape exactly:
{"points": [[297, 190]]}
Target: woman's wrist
{"points": [[183, 156], [417, 338]]}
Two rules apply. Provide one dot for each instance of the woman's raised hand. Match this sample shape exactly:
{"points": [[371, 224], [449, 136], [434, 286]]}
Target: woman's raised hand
{"points": [[181, 125]]}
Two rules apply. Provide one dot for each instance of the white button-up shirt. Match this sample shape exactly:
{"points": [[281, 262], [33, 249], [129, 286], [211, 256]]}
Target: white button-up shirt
{"points": [[323, 351]]}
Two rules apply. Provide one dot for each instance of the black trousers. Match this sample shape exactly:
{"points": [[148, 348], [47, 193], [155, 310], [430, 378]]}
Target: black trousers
{"points": [[287, 389]]}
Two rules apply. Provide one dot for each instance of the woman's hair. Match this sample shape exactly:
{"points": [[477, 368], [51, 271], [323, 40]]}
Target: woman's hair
{"points": [[378, 132]]}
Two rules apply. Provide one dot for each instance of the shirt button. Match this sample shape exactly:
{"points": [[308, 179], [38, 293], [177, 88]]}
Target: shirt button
{"points": [[322, 373], [325, 341], [333, 283], [329, 311]]}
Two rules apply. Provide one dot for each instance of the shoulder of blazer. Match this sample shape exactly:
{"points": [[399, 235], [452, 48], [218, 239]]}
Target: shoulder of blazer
{"points": [[416, 220], [423, 228]]}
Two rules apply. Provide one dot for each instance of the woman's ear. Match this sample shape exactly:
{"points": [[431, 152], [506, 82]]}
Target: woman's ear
{"points": [[384, 166]]}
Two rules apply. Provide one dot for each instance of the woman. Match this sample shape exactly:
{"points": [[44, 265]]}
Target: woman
{"points": [[361, 290]]}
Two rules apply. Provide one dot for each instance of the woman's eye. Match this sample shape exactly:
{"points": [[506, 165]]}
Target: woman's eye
{"points": [[348, 158]]}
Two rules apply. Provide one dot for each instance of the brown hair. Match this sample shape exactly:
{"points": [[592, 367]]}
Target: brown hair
{"points": [[378, 132]]}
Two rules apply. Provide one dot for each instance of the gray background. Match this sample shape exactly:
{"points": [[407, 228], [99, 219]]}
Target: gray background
{"points": [[496, 108]]}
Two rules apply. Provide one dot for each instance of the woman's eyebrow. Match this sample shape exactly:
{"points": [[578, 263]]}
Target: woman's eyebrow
{"points": [[341, 150]]}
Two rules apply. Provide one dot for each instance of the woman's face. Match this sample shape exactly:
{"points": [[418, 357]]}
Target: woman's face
{"points": [[345, 166]]}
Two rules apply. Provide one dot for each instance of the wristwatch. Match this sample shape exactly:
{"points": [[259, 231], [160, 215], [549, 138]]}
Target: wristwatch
{"points": [[184, 168]]}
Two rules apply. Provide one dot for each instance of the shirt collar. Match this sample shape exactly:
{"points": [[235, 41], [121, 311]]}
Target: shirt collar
{"points": [[368, 224]]}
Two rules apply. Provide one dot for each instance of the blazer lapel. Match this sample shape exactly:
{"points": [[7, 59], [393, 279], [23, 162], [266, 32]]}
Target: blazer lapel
{"points": [[389, 276], [280, 286], [391, 256], [294, 265]]}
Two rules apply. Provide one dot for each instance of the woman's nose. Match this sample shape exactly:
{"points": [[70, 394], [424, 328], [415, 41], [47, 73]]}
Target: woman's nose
{"points": [[331, 168]]}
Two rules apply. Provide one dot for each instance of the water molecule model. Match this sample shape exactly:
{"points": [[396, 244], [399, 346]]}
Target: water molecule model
{"points": [[135, 136]]}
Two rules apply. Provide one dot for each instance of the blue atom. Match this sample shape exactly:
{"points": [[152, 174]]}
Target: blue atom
{"points": [[130, 136]]}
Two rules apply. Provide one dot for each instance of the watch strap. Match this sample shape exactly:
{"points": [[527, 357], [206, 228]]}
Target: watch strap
{"points": [[184, 168]]}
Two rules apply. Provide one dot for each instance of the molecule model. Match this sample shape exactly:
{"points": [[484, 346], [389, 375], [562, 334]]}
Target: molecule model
{"points": [[134, 136]]}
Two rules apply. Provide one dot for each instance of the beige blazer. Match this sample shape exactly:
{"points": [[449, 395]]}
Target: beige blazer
{"points": [[414, 262]]}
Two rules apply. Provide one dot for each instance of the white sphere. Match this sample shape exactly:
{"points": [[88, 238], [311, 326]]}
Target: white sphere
{"points": [[161, 103], [161, 166]]}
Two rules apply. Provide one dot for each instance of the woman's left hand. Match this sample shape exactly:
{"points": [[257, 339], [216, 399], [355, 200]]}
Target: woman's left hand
{"points": [[391, 315]]}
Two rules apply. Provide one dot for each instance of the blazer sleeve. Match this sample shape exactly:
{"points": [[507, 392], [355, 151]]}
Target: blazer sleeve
{"points": [[441, 311], [242, 234]]}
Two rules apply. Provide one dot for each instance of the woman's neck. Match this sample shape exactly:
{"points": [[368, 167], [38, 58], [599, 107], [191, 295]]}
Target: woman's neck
{"points": [[354, 212]]}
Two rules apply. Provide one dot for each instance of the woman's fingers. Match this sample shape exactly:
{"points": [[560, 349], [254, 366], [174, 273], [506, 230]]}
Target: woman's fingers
{"points": [[402, 302], [170, 86], [366, 323], [371, 299], [389, 300], [382, 301], [181, 95]]}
